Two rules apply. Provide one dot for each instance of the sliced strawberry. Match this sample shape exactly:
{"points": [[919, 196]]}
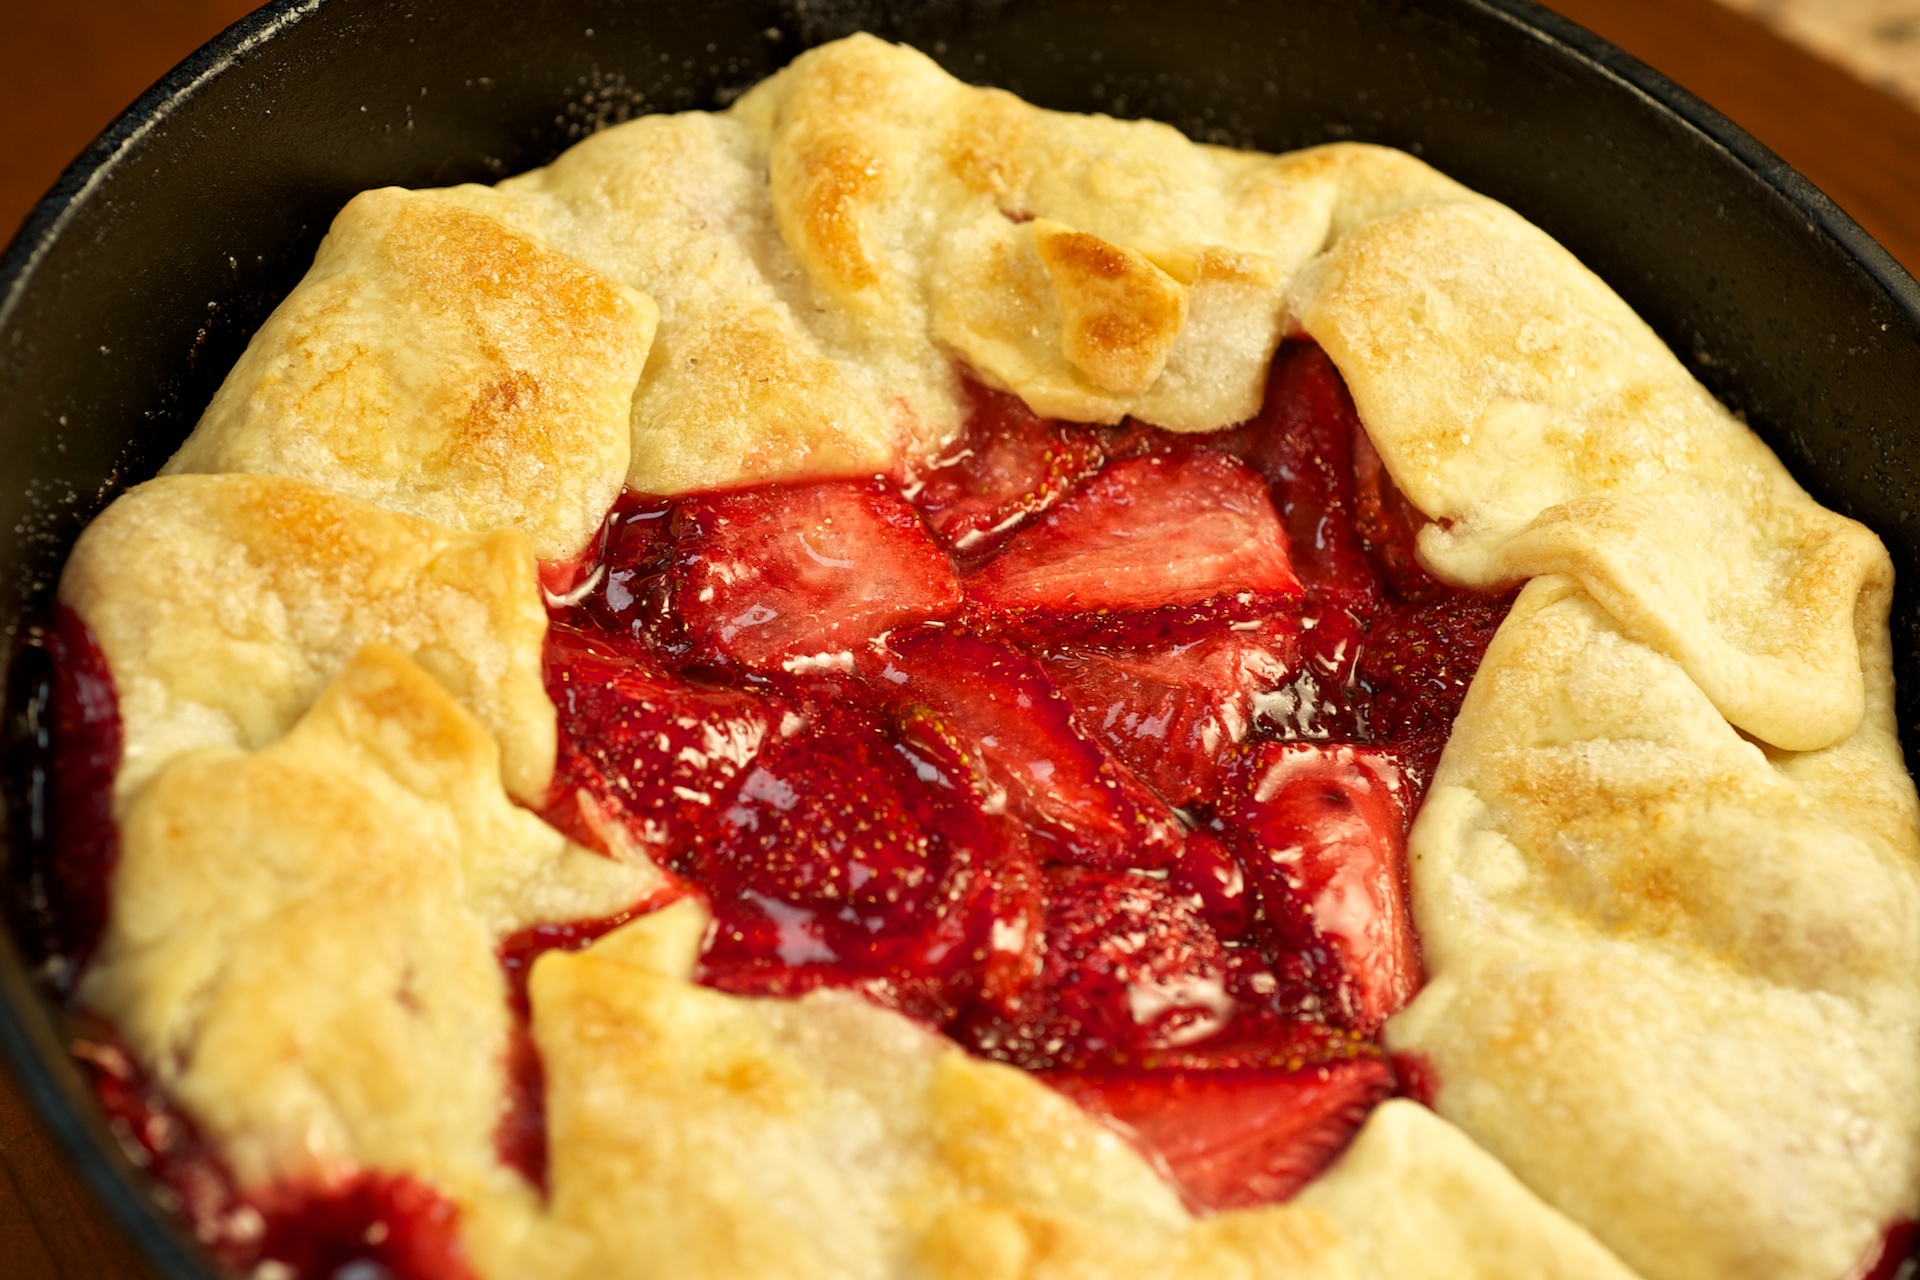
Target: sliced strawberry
{"points": [[642, 749], [1417, 662], [1170, 710], [1133, 974], [1232, 1139], [1148, 535], [1321, 832], [1302, 441], [995, 704], [1018, 897], [842, 861], [767, 576], [1007, 466]]}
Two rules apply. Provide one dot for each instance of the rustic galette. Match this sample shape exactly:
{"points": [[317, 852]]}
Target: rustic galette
{"points": [[886, 683]]}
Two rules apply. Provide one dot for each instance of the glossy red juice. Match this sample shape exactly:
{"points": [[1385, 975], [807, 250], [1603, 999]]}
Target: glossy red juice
{"points": [[1065, 745]]}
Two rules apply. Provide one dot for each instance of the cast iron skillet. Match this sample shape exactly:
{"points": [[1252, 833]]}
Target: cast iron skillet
{"points": [[135, 284]]}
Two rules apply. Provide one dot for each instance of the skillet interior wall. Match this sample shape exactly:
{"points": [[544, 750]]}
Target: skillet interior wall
{"points": [[132, 290]]}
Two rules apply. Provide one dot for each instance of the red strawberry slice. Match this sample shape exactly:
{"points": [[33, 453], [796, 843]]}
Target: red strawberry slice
{"points": [[1169, 711], [1321, 832], [1017, 900], [842, 860], [1133, 974], [1152, 533], [995, 704], [1233, 1139], [766, 576], [1209, 873], [1302, 441], [1007, 466], [1417, 661], [644, 750]]}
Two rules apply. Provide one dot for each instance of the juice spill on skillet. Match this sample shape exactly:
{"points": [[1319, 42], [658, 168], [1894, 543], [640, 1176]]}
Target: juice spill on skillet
{"points": [[1094, 748], [64, 742]]}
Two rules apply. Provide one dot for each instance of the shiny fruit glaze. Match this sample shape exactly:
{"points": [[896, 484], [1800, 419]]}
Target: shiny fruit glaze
{"points": [[1094, 748]]}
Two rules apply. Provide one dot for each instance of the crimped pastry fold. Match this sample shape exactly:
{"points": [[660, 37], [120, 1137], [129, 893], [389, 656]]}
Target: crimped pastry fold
{"points": [[224, 605], [437, 363], [302, 947]]}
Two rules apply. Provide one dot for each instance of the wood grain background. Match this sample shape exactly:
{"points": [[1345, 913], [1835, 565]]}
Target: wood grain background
{"points": [[67, 67]]}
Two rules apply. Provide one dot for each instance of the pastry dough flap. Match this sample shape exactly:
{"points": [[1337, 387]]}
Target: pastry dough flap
{"points": [[820, 253], [224, 604], [1670, 971], [302, 946], [438, 363]]}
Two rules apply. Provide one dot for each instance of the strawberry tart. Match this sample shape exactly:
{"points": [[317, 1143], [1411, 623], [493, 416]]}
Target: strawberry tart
{"points": [[888, 683]]}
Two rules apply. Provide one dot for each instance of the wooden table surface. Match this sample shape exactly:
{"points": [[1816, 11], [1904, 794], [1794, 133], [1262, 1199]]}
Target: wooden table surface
{"points": [[71, 66]]}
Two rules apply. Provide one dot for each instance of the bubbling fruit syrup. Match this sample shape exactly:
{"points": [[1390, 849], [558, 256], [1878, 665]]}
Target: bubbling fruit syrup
{"points": [[1093, 748]]}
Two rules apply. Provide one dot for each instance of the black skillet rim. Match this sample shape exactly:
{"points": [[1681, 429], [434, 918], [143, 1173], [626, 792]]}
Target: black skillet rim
{"points": [[32, 1051]]}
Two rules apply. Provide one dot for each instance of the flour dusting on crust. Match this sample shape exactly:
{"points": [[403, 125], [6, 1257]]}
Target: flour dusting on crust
{"points": [[302, 946], [225, 604], [438, 363]]}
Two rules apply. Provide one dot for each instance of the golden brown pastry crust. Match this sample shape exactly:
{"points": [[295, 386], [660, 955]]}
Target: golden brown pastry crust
{"points": [[699, 1134], [303, 940], [1453, 1212], [224, 605], [435, 362], [1671, 972], [1523, 406], [1666, 879]]}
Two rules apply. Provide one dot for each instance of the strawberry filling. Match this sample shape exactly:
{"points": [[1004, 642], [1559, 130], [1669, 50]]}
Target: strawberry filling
{"points": [[1093, 748], [1235, 1138], [1170, 712], [64, 741], [764, 577], [1006, 466], [1027, 748], [1144, 536], [1318, 831]]}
